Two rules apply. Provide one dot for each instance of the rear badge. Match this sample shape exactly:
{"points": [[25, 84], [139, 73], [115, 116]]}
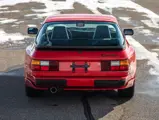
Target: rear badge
{"points": [[107, 55]]}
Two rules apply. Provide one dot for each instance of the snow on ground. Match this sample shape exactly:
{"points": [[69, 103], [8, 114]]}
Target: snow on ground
{"points": [[10, 37], [125, 18], [150, 23], [7, 21], [13, 11], [2, 19], [14, 26], [32, 25], [142, 53], [108, 5], [156, 50], [52, 7], [18, 22], [131, 5], [30, 15], [4, 8], [156, 41], [146, 32], [13, 2]]}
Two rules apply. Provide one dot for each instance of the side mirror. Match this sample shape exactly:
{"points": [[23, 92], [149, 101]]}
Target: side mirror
{"points": [[32, 30], [128, 32]]}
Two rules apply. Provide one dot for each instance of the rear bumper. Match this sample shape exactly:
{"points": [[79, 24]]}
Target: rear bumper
{"points": [[80, 84], [97, 83]]}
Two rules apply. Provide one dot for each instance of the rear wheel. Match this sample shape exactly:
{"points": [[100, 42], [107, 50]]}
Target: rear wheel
{"points": [[128, 92], [30, 92]]}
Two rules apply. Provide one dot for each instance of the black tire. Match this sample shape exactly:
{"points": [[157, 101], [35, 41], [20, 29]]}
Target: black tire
{"points": [[128, 92], [30, 92]]}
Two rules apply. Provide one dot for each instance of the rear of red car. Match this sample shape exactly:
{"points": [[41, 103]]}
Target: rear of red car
{"points": [[79, 55]]}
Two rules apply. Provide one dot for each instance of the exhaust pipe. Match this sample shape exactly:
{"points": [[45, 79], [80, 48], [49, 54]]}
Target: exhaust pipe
{"points": [[53, 90]]}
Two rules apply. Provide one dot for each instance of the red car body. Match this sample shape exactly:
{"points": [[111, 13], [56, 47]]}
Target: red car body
{"points": [[114, 78]]}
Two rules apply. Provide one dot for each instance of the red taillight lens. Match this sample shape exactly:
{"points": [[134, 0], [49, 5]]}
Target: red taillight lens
{"points": [[35, 67], [119, 68], [44, 68], [115, 68], [124, 68]]}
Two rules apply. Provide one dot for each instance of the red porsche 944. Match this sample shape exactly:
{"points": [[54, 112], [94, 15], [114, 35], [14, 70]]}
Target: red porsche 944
{"points": [[80, 52]]}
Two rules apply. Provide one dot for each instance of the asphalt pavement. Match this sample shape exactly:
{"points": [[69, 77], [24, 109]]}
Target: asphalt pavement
{"points": [[68, 105]]}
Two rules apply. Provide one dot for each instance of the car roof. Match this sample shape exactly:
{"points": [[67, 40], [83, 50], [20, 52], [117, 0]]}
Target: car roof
{"points": [[81, 17]]}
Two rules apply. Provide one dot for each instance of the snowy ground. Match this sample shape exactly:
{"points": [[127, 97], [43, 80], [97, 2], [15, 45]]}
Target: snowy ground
{"points": [[147, 24]]}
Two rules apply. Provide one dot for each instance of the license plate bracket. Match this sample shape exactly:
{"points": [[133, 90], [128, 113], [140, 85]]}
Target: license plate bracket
{"points": [[79, 66]]}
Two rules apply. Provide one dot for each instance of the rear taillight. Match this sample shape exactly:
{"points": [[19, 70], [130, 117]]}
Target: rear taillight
{"points": [[38, 65], [122, 65], [116, 65], [35, 65]]}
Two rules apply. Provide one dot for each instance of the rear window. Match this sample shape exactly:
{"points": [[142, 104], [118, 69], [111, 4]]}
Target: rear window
{"points": [[79, 34]]}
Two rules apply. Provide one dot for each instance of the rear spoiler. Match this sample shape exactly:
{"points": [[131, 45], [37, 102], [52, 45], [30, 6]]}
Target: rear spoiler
{"points": [[96, 48]]}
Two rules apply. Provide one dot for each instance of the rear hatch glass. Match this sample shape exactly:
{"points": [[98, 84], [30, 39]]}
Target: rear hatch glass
{"points": [[80, 34]]}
